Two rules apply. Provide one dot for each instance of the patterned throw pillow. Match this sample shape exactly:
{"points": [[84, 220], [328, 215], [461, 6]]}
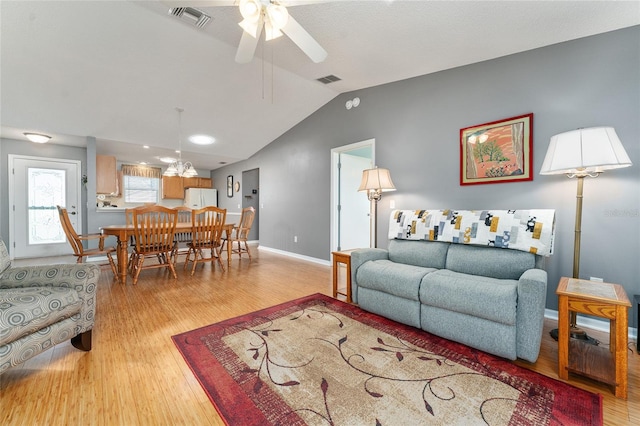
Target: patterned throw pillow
{"points": [[5, 262]]}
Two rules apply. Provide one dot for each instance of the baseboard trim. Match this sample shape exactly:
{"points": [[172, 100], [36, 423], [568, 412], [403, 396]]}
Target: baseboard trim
{"points": [[295, 255], [592, 323]]}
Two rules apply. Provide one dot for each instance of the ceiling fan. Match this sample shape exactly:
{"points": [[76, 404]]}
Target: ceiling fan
{"points": [[274, 18]]}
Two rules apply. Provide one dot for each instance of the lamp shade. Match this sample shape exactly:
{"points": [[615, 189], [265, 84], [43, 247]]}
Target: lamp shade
{"points": [[376, 179], [585, 151]]}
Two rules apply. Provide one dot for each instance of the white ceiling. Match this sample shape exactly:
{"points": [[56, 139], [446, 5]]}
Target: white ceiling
{"points": [[116, 70]]}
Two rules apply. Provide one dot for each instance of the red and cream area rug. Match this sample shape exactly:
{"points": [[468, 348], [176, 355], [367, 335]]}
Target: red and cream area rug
{"points": [[319, 361]]}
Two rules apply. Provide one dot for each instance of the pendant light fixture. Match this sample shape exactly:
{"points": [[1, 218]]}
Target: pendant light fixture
{"points": [[180, 168]]}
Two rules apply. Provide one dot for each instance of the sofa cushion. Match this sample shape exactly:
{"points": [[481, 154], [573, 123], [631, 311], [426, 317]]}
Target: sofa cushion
{"points": [[482, 297], [26, 310], [431, 254], [394, 278], [5, 261], [489, 262]]}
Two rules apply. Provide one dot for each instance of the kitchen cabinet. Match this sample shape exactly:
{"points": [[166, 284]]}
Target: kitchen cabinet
{"points": [[197, 182], [106, 175], [172, 187]]}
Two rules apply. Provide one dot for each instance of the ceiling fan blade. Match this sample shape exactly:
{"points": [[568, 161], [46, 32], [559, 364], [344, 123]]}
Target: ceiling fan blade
{"points": [[247, 47], [304, 41]]}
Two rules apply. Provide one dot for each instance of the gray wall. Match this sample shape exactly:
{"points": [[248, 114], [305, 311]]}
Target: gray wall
{"points": [[589, 82]]}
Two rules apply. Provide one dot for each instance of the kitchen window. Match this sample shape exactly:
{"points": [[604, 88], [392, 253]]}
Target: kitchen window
{"points": [[141, 184]]}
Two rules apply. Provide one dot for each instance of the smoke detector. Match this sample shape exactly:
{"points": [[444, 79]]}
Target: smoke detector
{"points": [[191, 15]]}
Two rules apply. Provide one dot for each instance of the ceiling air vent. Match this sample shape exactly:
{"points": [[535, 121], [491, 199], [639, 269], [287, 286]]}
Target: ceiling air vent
{"points": [[328, 79], [193, 16]]}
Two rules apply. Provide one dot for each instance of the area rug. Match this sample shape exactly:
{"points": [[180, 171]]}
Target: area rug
{"points": [[319, 361]]}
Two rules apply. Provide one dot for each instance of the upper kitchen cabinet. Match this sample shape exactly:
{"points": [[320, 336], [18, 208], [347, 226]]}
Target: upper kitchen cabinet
{"points": [[197, 182], [106, 175], [172, 187]]}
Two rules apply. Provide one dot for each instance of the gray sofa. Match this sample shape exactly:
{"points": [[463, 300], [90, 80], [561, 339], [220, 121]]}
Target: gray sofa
{"points": [[488, 298], [41, 306]]}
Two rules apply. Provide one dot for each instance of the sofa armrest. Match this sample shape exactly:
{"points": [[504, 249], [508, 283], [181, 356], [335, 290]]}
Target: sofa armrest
{"points": [[81, 277], [532, 298], [358, 258]]}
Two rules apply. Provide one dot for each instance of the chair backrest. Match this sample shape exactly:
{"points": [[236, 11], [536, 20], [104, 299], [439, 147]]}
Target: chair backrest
{"points": [[246, 220], [184, 216], [206, 226], [72, 235], [154, 228]]}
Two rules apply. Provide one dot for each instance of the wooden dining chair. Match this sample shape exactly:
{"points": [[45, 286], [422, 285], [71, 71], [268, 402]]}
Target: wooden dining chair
{"points": [[240, 233], [206, 234], [182, 237], [77, 245], [153, 232]]}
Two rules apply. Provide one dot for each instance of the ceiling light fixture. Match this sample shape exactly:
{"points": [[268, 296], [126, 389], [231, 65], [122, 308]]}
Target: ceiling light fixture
{"points": [[201, 139], [37, 137], [180, 168]]}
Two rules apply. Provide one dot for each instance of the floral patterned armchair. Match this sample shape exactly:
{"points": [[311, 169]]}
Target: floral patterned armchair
{"points": [[41, 306]]}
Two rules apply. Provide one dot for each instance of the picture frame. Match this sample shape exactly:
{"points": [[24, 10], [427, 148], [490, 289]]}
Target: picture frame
{"points": [[230, 186], [497, 152]]}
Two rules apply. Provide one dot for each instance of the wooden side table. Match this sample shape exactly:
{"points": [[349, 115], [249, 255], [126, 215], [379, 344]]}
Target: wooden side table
{"points": [[602, 300], [343, 257]]}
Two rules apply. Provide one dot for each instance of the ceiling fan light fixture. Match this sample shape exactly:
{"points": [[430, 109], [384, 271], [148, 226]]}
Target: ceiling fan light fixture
{"points": [[250, 10], [278, 15], [271, 32]]}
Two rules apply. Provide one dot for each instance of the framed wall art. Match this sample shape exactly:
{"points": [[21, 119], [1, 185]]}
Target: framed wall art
{"points": [[497, 152], [230, 186]]}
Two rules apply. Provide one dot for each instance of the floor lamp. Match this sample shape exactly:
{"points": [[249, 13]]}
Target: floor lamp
{"points": [[578, 154], [375, 181]]}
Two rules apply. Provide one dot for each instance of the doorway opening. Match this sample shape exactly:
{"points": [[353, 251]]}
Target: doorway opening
{"points": [[251, 198], [350, 209]]}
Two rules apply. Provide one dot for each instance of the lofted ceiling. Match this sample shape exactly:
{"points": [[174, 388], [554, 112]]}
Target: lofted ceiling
{"points": [[117, 70]]}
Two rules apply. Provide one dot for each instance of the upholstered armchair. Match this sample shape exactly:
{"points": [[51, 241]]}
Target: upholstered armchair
{"points": [[41, 306]]}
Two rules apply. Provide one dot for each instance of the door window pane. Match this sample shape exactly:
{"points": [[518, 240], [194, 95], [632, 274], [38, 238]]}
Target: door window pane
{"points": [[46, 190]]}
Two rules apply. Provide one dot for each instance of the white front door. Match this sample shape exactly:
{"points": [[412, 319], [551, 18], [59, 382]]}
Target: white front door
{"points": [[36, 187]]}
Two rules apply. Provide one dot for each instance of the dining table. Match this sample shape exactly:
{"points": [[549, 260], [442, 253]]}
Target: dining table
{"points": [[124, 232]]}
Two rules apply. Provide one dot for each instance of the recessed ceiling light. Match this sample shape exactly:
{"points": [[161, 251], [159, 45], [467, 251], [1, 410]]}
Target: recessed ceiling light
{"points": [[167, 160], [37, 137], [201, 139], [145, 146]]}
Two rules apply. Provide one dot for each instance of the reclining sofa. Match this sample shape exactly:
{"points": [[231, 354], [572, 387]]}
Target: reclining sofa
{"points": [[41, 306], [474, 277]]}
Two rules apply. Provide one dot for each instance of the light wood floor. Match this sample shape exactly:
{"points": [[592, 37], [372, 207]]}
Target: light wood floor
{"points": [[135, 375]]}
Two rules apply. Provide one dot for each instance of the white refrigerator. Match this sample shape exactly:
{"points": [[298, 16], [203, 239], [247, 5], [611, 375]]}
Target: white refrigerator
{"points": [[197, 198]]}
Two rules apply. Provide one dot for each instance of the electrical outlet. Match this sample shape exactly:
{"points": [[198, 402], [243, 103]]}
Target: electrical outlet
{"points": [[392, 204], [596, 279], [295, 238], [238, 205]]}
